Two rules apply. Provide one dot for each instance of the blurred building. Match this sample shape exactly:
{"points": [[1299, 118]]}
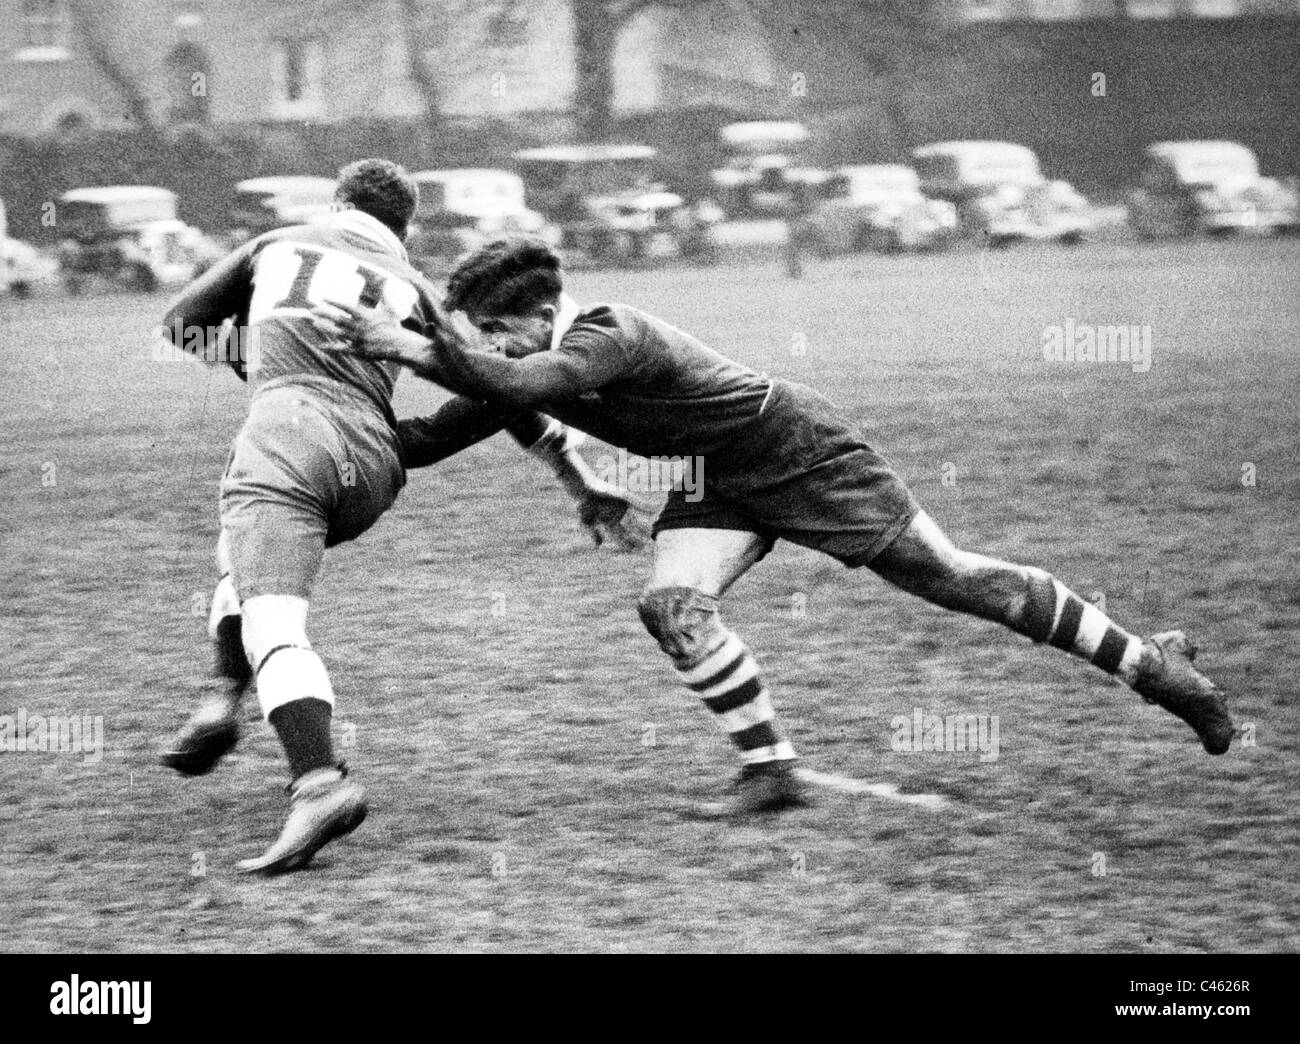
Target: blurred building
{"points": [[67, 65]]}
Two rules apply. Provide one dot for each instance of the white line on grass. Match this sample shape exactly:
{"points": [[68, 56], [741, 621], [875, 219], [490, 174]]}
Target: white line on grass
{"points": [[881, 790]]}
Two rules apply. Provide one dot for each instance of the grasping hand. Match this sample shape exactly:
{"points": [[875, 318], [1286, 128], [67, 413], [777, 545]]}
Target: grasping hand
{"points": [[368, 333], [611, 517]]}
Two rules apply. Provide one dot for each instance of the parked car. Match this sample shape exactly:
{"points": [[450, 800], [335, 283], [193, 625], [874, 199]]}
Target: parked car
{"points": [[261, 204], [23, 268], [1001, 194], [1188, 188], [130, 235], [875, 207], [460, 210], [609, 208], [762, 176]]}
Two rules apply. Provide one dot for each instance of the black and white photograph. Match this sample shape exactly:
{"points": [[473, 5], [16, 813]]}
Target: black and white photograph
{"points": [[650, 476]]}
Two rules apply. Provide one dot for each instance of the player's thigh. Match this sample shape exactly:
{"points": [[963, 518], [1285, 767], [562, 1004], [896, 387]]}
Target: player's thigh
{"points": [[275, 548], [370, 477], [277, 498], [924, 561], [921, 550], [707, 560], [704, 541]]}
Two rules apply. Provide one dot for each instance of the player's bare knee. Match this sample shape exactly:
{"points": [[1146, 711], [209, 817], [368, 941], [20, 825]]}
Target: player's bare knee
{"points": [[684, 621]]}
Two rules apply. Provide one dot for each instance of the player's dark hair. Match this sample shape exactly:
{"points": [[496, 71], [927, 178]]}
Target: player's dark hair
{"points": [[382, 189], [508, 276]]}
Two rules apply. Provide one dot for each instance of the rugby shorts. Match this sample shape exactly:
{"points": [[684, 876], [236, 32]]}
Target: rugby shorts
{"points": [[803, 473], [315, 464]]}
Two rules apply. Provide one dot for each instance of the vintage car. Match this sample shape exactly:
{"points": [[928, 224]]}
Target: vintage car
{"points": [[261, 204], [1188, 188], [608, 207], [130, 235], [460, 210], [762, 177], [23, 268], [875, 207], [1000, 193]]}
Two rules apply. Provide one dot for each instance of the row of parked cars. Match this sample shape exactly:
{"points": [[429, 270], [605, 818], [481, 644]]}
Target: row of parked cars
{"points": [[993, 191], [601, 203]]}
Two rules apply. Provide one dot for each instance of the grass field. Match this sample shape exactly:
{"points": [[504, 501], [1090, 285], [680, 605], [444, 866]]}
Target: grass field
{"points": [[533, 767]]}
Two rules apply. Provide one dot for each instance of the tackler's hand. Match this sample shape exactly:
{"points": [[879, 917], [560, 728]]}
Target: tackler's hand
{"points": [[611, 517], [368, 333]]}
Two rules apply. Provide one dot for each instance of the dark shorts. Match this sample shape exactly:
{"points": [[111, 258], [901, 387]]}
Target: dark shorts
{"points": [[312, 466], [805, 475]]}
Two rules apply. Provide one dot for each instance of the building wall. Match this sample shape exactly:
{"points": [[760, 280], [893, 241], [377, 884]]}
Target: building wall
{"points": [[355, 67], [351, 57], [39, 86]]}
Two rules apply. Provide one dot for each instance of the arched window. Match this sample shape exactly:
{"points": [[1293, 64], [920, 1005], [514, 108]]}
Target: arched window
{"points": [[188, 83]]}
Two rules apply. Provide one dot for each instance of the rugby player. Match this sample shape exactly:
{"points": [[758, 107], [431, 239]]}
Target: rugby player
{"points": [[783, 462], [319, 459]]}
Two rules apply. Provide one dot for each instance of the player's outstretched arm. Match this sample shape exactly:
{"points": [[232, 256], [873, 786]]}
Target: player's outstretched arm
{"points": [[608, 515], [461, 359], [456, 425]]}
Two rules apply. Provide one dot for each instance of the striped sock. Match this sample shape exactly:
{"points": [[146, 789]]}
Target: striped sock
{"points": [[727, 681], [1058, 616]]}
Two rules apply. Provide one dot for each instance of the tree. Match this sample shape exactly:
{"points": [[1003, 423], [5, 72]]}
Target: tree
{"points": [[85, 20], [416, 26], [596, 28], [900, 48]]}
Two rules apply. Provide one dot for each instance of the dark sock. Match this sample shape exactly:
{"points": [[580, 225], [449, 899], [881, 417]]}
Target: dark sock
{"points": [[231, 660], [304, 730]]}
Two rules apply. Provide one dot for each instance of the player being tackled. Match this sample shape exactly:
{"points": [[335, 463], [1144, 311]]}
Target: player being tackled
{"points": [[319, 459], [782, 462]]}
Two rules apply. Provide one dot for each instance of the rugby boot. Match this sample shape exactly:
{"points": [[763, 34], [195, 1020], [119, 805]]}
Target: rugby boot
{"points": [[323, 805], [1166, 677], [769, 786], [209, 735], [213, 730]]}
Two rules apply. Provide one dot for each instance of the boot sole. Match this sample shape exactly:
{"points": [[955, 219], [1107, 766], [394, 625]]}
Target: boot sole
{"points": [[301, 856]]}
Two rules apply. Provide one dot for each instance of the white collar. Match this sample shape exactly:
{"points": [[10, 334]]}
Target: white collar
{"points": [[564, 317], [364, 225]]}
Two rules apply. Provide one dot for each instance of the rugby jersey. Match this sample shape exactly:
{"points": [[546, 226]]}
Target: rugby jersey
{"points": [[653, 388], [272, 283]]}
